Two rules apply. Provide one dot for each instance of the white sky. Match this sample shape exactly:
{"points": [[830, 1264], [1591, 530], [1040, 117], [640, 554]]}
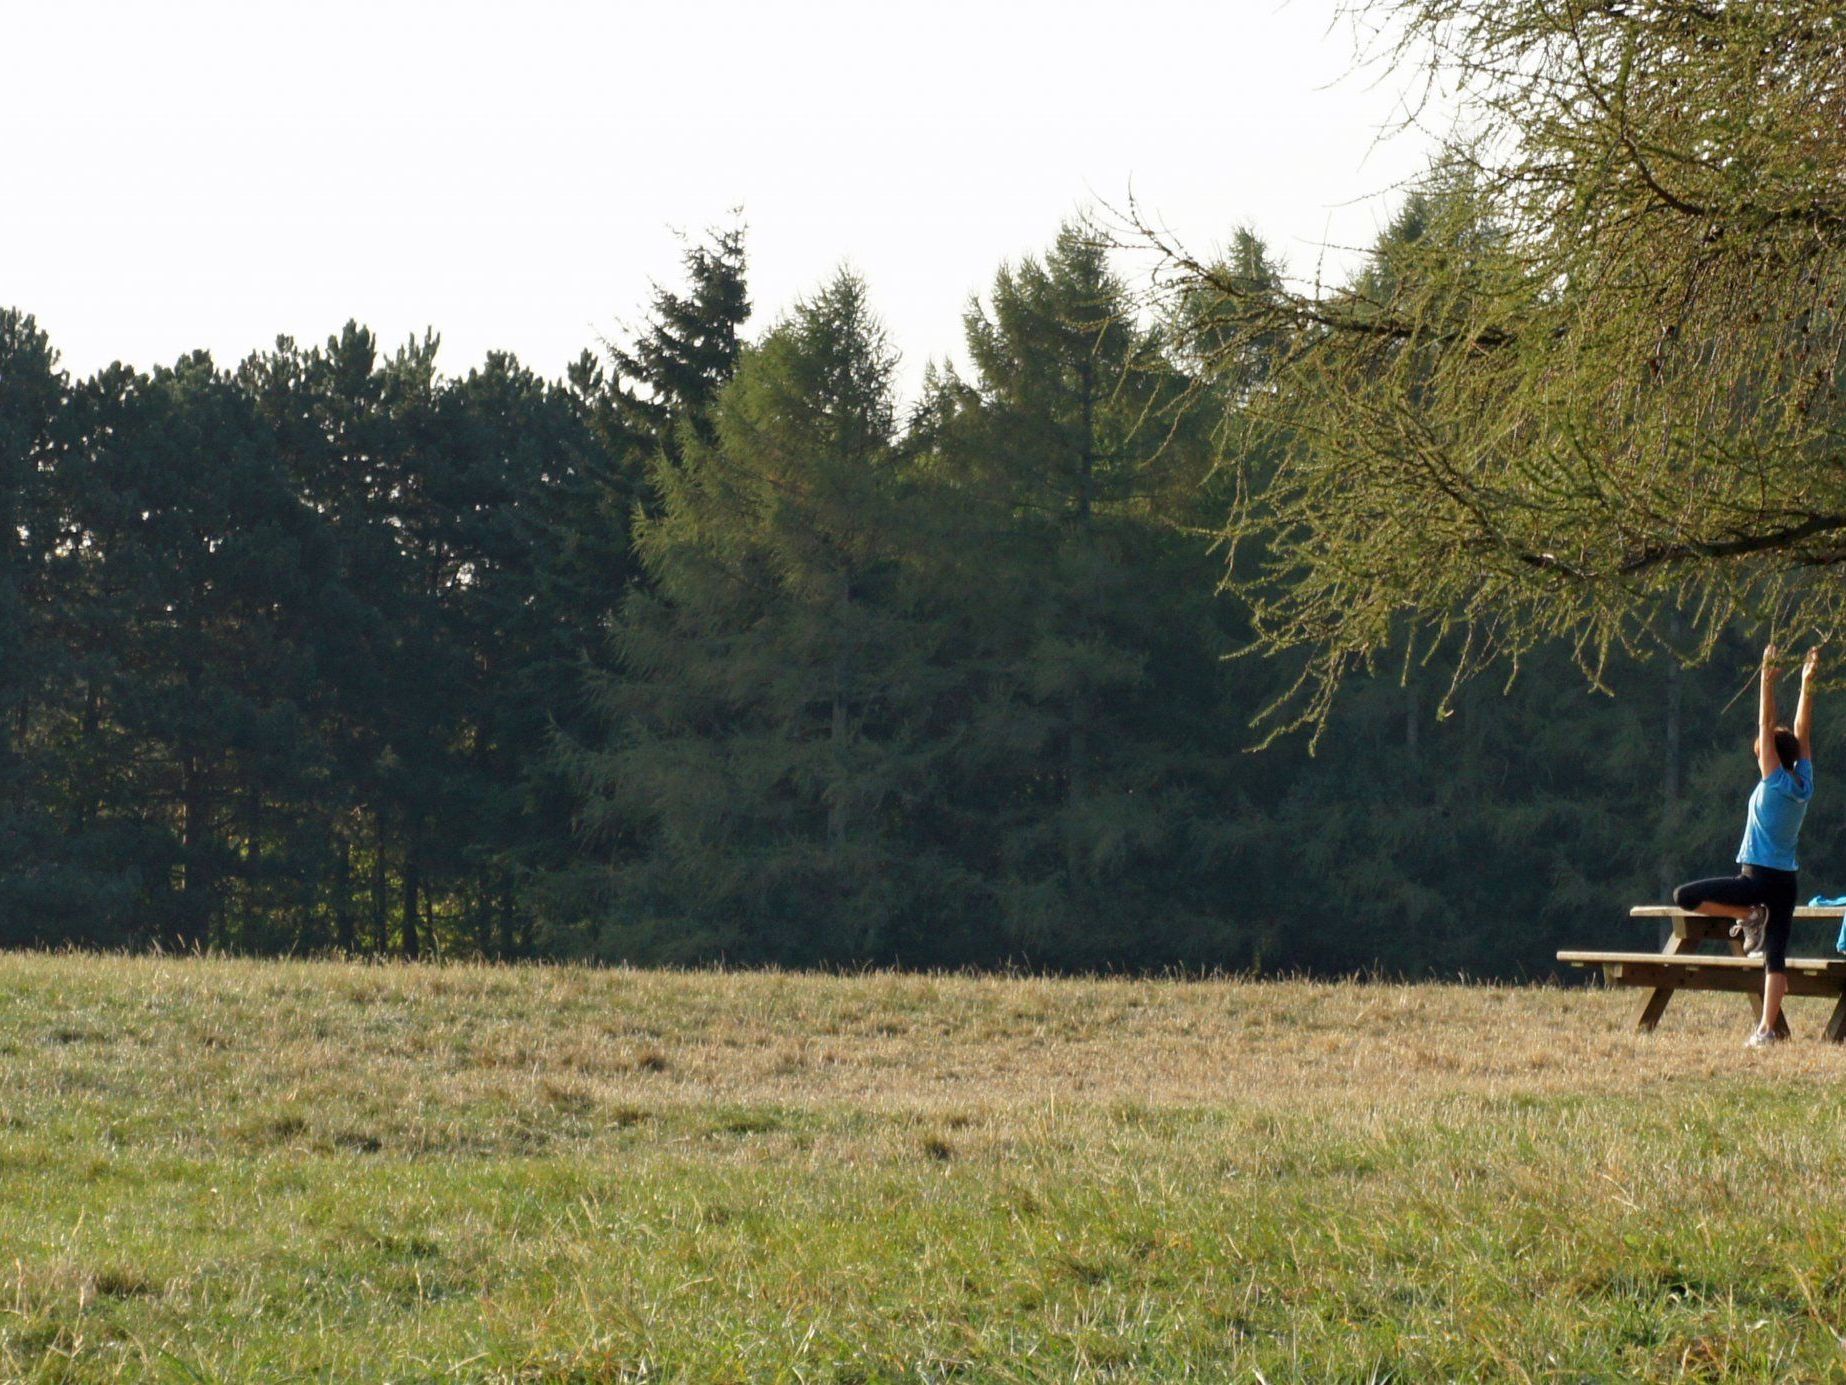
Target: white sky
{"points": [[184, 174]]}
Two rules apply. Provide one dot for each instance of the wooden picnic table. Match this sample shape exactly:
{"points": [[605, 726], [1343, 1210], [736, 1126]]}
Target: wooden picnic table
{"points": [[1680, 966]]}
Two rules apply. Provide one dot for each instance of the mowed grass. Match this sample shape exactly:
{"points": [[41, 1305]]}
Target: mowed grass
{"points": [[268, 1171]]}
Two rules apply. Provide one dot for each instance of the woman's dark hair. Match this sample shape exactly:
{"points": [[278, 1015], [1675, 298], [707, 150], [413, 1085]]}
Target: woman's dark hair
{"points": [[1787, 747]]}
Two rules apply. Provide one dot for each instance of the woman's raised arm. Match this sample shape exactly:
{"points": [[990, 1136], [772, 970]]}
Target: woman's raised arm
{"points": [[1804, 709]]}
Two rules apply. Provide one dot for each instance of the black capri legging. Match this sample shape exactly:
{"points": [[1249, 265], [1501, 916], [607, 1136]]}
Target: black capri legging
{"points": [[1757, 885]]}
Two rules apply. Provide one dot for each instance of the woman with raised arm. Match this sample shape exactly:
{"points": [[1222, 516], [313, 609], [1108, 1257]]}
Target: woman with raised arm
{"points": [[1762, 897]]}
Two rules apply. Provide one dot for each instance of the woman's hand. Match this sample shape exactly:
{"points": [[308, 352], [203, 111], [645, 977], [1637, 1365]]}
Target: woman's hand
{"points": [[1769, 657], [1809, 664]]}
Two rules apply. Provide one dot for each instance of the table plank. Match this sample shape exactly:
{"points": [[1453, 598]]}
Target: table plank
{"points": [[1667, 911], [1818, 966]]}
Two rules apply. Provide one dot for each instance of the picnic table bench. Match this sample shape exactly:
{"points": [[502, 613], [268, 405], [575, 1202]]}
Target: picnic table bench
{"points": [[1680, 966]]}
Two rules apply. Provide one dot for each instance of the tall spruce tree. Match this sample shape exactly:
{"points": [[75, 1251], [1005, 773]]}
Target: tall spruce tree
{"points": [[653, 392], [769, 725], [665, 381]]}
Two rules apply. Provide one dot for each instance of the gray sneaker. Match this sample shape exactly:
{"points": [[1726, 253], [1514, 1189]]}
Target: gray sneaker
{"points": [[1764, 1038], [1751, 930]]}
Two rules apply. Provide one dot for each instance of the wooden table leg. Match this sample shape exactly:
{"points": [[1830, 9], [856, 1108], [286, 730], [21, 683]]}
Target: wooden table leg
{"points": [[1688, 933], [1655, 1007], [1835, 1032], [1683, 940]]}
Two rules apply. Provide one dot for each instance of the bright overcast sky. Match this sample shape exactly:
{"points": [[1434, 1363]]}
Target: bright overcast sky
{"points": [[185, 174]]}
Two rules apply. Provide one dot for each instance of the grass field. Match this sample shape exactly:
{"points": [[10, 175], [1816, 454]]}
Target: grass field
{"points": [[231, 1170]]}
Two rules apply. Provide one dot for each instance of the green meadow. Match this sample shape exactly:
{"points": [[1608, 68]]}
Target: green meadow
{"points": [[238, 1170]]}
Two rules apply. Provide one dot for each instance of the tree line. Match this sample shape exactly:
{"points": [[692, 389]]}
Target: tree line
{"points": [[714, 650]]}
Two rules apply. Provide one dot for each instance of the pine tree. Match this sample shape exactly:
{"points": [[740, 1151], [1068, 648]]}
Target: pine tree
{"points": [[194, 561], [64, 876], [539, 560], [1091, 743], [326, 408]]}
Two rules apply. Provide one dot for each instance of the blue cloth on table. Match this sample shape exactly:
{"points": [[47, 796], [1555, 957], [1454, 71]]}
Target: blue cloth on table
{"points": [[1837, 902]]}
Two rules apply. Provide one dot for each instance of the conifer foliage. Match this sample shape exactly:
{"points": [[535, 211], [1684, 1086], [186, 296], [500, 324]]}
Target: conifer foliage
{"points": [[716, 651]]}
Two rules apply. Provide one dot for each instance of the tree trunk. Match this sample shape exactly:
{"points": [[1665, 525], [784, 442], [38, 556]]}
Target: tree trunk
{"points": [[1670, 775], [1077, 743], [253, 834], [195, 907], [413, 946], [1076, 789], [381, 928], [84, 802], [506, 918], [343, 933], [836, 800]]}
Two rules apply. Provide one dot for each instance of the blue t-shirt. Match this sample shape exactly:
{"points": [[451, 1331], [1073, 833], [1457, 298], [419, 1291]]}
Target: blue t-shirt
{"points": [[1777, 805]]}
